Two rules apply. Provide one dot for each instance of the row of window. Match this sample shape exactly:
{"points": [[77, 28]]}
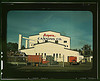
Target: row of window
{"points": [[66, 46], [33, 45], [56, 41], [54, 55], [40, 54]]}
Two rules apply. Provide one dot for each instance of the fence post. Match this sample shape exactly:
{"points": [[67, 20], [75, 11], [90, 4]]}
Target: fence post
{"points": [[39, 60]]}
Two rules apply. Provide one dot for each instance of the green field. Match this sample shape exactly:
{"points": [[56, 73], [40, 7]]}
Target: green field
{"points": [[67, 68]]}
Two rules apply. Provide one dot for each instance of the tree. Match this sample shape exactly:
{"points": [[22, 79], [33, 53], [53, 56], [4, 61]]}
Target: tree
{"points": [[75, 50], [86, 50], [12, 46], [80, 51]]}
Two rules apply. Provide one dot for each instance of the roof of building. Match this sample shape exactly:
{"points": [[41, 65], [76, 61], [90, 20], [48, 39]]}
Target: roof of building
{"points": [[49, 42]]}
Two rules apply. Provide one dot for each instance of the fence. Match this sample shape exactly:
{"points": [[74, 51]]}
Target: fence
{"points": [[17, 59], [25, 60]]}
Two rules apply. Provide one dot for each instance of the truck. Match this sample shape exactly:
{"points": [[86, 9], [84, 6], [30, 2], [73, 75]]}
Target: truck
{"points": [[35, 60], [72, 60]]}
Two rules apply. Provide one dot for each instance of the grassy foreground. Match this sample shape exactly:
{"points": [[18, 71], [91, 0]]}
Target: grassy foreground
{"points": [[67, 68]]}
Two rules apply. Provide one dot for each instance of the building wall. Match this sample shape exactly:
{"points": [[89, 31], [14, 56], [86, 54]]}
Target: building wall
{"points": [[88, 59]]}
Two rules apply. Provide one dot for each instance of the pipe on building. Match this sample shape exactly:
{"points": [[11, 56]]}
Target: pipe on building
{"points": [[20, 42], [26, 44]]}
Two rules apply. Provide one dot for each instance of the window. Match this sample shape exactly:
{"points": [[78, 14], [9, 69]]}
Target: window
{"points": [[36, 53], [80, 58], [44, 54], [38, 42], [46, 40], [66, 45], [32, 44], [59, 55], [56, 55], [65, 41], [56, 41]]}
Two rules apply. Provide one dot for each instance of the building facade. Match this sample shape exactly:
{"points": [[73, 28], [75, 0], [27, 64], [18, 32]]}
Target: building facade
{"points": [[49, 44]]}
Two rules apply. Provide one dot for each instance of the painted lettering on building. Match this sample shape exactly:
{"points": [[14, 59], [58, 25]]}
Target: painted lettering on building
{"points": [[49, 35], [40, 38]]}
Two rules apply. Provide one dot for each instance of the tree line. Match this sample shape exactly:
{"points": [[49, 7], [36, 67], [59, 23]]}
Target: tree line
{"points": [[85, 50], [13, 47]]}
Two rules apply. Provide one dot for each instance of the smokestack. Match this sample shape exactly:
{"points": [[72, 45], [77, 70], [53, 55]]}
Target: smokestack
{"points": [[26, 44], [20, 42]]}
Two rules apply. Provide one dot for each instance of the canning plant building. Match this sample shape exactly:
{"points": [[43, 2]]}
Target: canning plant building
{"points": [[49, 43]]}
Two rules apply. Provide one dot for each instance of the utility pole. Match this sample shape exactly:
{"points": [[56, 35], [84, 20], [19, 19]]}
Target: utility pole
{"points": [[63, 60]]}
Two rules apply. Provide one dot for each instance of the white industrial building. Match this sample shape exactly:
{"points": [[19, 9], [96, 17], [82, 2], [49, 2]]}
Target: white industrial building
{"points": [[49, 43]]}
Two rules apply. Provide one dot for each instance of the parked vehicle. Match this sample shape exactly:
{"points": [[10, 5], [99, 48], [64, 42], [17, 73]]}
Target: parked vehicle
{"points": [[72, 60], [35, 60]]}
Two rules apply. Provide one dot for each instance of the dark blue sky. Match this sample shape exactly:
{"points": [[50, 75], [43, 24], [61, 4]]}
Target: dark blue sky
{"points": [[76, 24]]}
